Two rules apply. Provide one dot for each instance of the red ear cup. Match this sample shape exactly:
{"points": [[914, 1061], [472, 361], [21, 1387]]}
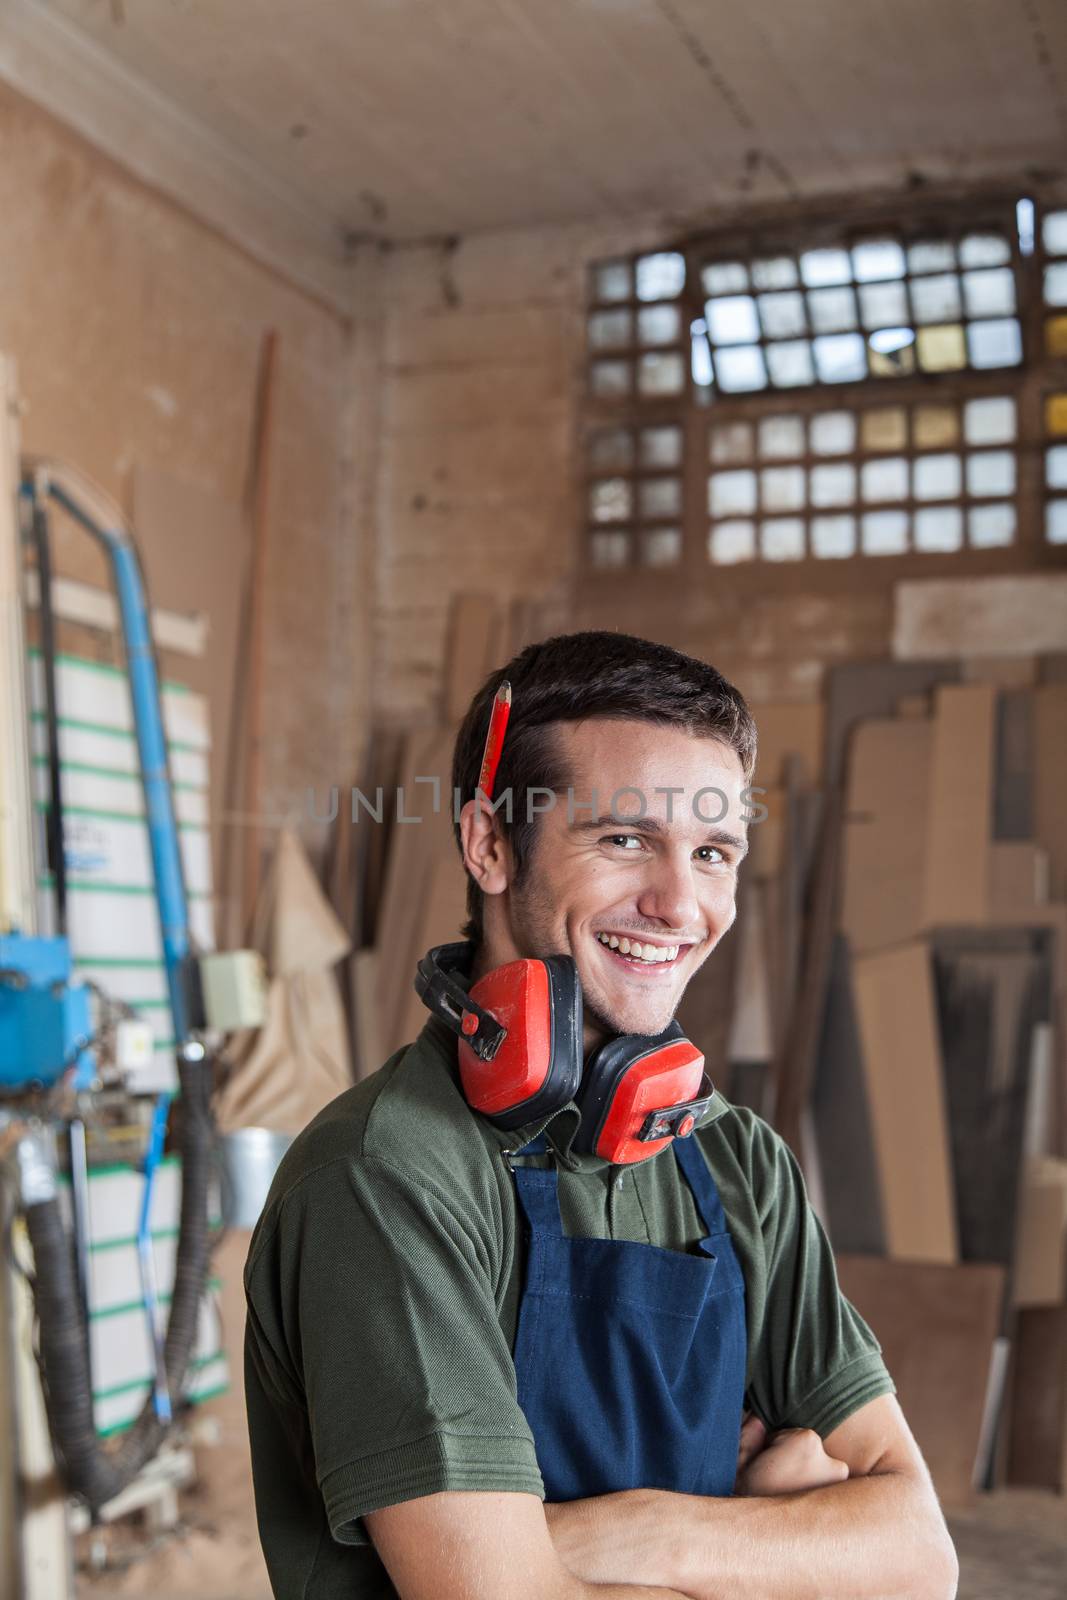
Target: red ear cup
{"points": [[625, 1080], [538, 1065]]}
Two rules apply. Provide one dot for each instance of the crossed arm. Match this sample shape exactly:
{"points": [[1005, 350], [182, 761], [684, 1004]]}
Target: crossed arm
{"points": [[802, 1531]]}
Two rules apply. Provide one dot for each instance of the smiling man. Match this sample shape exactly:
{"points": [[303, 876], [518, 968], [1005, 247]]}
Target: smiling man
{"points": [[489, 1355]]}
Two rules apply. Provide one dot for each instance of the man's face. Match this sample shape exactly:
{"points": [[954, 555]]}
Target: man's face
{"points": [[665, 881]]}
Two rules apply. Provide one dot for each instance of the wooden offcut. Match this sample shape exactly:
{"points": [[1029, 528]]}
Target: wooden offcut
{"points": [[959, 829], [902, 1062]]}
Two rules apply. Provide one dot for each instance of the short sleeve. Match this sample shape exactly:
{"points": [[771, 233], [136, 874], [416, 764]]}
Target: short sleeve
{"points": [[816, 1360], [383, 1302]]}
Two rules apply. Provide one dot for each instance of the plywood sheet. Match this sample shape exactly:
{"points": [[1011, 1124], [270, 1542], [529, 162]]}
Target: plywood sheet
{"points": [[1037, 1445], [785, 727], [959, 828], [859, 690], [1018, 879], [902, 1064], [998, 616], [1040, 1266], [936, 1326], [475, 636]]}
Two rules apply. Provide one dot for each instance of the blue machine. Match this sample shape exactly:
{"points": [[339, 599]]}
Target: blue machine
{"points": [[45, 1025]]}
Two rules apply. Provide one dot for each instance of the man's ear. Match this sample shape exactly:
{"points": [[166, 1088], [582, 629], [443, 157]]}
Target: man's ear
{"points": [[486, 854]]}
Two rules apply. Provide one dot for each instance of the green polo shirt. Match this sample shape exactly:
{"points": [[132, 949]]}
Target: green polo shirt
{"points": [[383, 1285]]}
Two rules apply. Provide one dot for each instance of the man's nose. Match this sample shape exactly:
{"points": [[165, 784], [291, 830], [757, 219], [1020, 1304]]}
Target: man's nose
{"points": [[669, 895]]}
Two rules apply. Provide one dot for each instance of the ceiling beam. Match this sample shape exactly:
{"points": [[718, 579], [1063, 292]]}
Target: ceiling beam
{"points": [[55, 64]]}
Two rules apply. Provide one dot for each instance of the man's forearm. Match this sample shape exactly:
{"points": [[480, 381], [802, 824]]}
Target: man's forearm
{"points": [[870, 1538]]}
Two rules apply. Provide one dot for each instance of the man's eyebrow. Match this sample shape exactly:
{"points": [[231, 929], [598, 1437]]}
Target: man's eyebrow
{"points": [[654, 826]]}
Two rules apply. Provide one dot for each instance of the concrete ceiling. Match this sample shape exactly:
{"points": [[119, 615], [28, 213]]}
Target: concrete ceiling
{"points": [[406, 118]]}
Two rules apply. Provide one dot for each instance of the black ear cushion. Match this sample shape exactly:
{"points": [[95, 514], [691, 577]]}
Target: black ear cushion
{"points": [[604, 1071], [564, 1073]]}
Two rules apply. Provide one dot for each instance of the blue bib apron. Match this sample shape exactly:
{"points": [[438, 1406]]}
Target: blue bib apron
{"points": [[630, 1358]]}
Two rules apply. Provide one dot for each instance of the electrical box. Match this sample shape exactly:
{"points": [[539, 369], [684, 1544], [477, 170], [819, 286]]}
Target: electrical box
{"points": [[45, 1022], [234, 985]]}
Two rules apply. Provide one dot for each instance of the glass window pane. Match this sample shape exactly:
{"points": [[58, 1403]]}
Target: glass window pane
{"points": [[777, 272], [990, 420], [658, 325], [790, 364], [661, 374], [832, 309], [724, 277], [782, 488], [732, 541], [991, 472], [825, 266], [731, 491], [883, 305], [1056, 466], [833, 433], [840, 357], [885, 533], [1054, 233], [732, 320], [1056, 522], [884, 428], [700, 355], [891, 352], [782, 315], [740, 367], [1056, 414], [984, 250], [937, 477], [660, 447], [660, 276], [613, 447], [933, 426], [781, 436], [782, 539], [612, 281], [662, 547], [659, 497], [610, 549], [878, 258], [610, 378], [989, 294], [931, 255], [610, 501], [833, 537], [941, 349], [995, 344], [988, 526], [885, 479], [1056, 336], [1056, 284], [732, 441], [833, 486], [939, 528], [936, 299], [607, 328]]}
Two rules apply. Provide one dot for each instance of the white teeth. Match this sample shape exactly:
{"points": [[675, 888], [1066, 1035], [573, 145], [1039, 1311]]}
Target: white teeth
{"points": [[650, 953]]}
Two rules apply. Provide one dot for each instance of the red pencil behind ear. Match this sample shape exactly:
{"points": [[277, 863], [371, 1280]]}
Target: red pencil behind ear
{"points": [[494, 739]]}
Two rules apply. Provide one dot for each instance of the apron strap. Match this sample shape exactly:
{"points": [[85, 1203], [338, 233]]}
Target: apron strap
{"points": [[538, 1192], [691, 1159]]}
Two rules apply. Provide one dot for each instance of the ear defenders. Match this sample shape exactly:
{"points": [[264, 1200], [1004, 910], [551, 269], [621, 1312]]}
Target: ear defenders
{"points": [[520, 1057]]}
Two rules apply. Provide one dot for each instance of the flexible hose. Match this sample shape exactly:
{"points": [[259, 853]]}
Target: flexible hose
{"points": [[90, 1470]]}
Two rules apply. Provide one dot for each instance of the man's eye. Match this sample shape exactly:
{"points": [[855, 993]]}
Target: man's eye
{"points": [[620, 838], [704, 848]]}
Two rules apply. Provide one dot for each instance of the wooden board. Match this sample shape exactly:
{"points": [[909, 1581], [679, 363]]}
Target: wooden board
{"points": [[959, 827], [475, 636], [889, 776], [902, 1065], [1018, 878], [1050, 780], [936, 1326], [1040, 1267], [785, 728], [841, 1117], [863, 689], [1013, 779], [992, 990], [1037, 1441]]}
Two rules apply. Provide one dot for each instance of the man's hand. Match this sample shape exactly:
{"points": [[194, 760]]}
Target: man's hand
{"points": [[785, 1463]]}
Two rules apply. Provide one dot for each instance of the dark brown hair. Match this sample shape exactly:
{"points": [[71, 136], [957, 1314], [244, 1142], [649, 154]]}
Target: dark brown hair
{"points": [[566, 679]]}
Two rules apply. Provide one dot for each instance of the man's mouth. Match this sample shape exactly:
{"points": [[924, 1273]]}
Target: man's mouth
{"points": [[641, 955]]}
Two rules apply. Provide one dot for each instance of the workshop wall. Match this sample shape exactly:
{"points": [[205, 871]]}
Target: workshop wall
{"points": [[137, 332]]}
